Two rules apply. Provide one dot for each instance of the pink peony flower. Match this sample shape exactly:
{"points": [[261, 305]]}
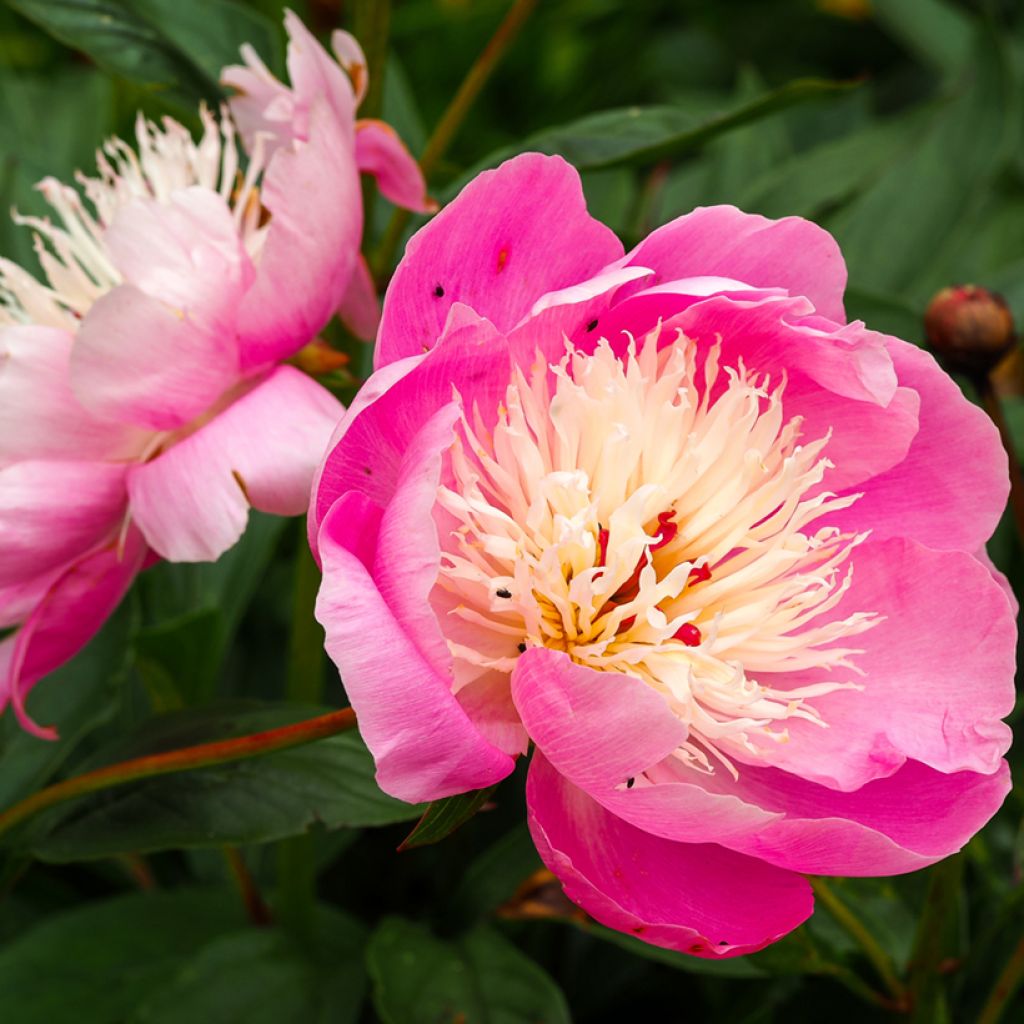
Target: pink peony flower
{"points": [[143, 401], [716, 552]]}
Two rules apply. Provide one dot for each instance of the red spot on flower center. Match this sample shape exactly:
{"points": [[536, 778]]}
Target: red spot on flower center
{"points": [[689, 634], [602, 546], [667, 529], [698, 574]]}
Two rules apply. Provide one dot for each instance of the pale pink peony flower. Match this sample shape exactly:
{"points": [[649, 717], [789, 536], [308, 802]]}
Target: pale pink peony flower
{"points": [[715, 552], [143, 402]]}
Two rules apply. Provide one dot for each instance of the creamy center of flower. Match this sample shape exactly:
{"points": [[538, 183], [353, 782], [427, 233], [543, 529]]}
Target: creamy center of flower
{"points": [[651, 515], [73, 254]]}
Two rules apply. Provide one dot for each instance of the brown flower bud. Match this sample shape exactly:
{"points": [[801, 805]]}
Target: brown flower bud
{"points": [[969, 328]]}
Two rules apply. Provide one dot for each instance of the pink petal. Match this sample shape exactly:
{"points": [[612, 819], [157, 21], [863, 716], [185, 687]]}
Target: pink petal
{"points": [[424, 744], [360, 309], [137, 360], [76, 605], [512, 235], [264, 104], [841, 383], [695, 898], [312, 246], [950, 489], [902, 823], [600, 729], [720, 240], [192, 501], [52, 512], [937, 672], [367, 451], [381, 153], [40, 418]]}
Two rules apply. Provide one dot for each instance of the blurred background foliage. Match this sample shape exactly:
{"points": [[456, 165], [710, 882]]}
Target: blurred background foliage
{"points": [[270, 890]]}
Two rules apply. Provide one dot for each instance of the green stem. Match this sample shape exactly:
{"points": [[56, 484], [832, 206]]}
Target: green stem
{"points": [[371, 24], [451, 121], [256, 909], [863, 937], [204, 755], [1005, 987], [296, 865]]}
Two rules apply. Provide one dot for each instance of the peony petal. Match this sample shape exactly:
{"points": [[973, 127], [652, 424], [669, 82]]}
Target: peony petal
{"points": [[471, 359], [192, 501], [71, 612], [52, 512], [311, 248], [937, 673], [695, 898], [424, 745], [137, 360], [902, 823], [791, 253], [950, 489], [381, 153], [40, 418], [601, 729], [360, 310], [512, 235]]}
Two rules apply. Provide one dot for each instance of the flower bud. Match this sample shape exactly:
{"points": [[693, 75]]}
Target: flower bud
{"points": [[969, 328]]}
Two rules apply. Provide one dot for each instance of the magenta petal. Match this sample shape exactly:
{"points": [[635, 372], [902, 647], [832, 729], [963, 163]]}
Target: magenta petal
{"points": [[902, 823], [312, 245], [192, 501], [67, 617], [424, 745], [937, 675], [952, 486], [512, 235], [601, 729], [52, 512], [366, 453], [381, 153], [720, 240], [696, 898]]}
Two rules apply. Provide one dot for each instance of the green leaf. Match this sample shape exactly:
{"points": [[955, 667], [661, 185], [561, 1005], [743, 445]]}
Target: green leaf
{"points": [[99, 961], [493, 877], [211, 33], [935, 30], [265, 976], [442, 817], [640, 136], [77, 699], [480, 977], [900, 230], [253, 801], [123, 42]]}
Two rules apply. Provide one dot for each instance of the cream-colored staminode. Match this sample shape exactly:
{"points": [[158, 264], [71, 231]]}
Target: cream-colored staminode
{"points": [[74, 256], [650, 517]]}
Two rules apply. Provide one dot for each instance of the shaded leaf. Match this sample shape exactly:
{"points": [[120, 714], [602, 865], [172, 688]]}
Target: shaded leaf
{"points": [[480, 977], [59, 971], [252, 801], [265, 976], [443, 817]]}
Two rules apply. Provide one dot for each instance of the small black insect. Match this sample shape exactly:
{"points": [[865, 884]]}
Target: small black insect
{"points": [[630, 782], [439, 292], [592, 325], [522, 647], [503, 592]]}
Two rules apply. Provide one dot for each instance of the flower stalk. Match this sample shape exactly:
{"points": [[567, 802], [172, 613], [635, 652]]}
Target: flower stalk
{"points": [[203, 755]]}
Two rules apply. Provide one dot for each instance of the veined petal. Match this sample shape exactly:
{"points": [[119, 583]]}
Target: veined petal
{"points": [[697, 898], [192, 501]]}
